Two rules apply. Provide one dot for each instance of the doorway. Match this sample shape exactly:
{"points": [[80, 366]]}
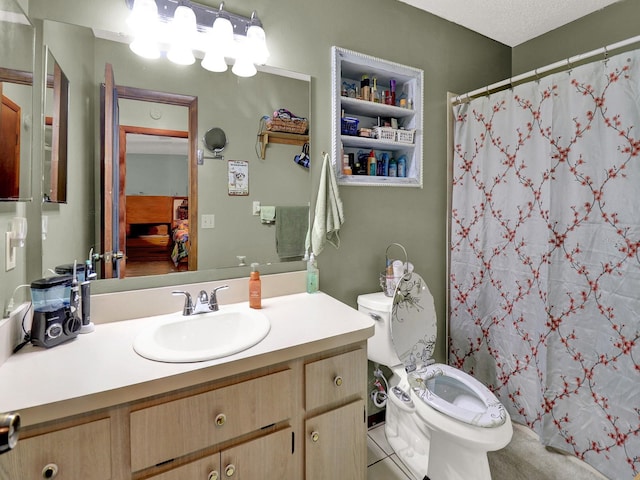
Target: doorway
{"points": [[154, 164]]}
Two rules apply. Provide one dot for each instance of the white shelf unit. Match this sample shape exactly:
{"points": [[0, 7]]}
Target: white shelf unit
{"points": [[349, 66]]}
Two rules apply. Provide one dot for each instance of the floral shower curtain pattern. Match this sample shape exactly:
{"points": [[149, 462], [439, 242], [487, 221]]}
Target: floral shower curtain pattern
{"points": [[545, 257]]}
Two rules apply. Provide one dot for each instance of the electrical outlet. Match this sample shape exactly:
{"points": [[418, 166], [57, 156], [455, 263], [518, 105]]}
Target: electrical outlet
{"points": [[10, 261], [208, 221]]}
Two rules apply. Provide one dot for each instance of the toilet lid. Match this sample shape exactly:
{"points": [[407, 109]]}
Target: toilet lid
{"points": [[413, 322]]}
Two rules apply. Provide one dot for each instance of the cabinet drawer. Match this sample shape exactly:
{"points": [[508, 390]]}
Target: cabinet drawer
{"points": [[335, 378], [76, 452], [178, 427]]}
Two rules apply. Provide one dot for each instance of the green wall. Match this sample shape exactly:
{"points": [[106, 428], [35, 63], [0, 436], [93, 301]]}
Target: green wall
{"points": [[300, 35], [615, 23]]}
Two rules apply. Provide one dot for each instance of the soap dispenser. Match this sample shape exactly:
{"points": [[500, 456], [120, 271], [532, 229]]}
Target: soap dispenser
{"points": [[313, 275], [255, 288]]}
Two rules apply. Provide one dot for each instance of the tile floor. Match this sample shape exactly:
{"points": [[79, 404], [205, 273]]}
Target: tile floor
{"points": [[382, 463]]}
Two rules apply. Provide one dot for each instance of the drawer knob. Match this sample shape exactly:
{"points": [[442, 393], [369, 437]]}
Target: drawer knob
{"points": [[230, 470], [213, 475], [50, 471], [315, 436], [338, 381], [221, 419]]}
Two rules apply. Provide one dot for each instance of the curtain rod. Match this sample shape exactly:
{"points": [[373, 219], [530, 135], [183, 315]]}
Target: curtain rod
{"points": [[569, 62]]}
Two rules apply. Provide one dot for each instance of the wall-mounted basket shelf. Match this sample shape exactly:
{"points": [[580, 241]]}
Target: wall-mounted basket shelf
{"points": [[267, 137]]}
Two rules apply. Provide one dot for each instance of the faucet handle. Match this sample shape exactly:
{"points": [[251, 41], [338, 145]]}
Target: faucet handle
{"points": [[213, 298], [188, 304]]}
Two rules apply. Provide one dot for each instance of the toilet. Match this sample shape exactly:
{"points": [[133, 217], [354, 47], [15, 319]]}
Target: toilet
{"points": [[440, 421]]}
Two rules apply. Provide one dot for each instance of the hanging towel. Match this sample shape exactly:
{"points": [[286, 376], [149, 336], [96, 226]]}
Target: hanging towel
{"points": [[267, 214], [329, 215], [292, 224]]}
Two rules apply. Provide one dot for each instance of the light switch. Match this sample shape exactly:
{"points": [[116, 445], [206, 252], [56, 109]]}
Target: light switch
{"points": [[10, 257], [208, 221], [256, 207]]}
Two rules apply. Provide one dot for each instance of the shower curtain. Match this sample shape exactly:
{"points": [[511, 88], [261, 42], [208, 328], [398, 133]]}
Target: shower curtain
{"points": [[545, 257]]}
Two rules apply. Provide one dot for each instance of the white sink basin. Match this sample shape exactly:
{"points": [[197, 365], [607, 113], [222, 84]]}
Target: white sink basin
{"points": [[196, 338]]}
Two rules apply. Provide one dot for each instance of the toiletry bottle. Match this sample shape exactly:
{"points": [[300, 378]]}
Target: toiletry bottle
{"points": [[372, 164], [313, 275], [402, 166], [255, 289], [392, 86], [393, 167]]}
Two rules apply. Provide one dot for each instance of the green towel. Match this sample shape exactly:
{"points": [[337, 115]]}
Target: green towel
{"points": [[292, 224], [329, 214]]}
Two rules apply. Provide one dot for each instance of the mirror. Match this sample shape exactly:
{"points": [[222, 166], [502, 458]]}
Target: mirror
{"points": [[215, 140], [234, 104], [56, 109], [17, 37]]}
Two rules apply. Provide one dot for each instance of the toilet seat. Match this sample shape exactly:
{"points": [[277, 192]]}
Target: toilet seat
{"points": [[491, 413], [413, 332]]}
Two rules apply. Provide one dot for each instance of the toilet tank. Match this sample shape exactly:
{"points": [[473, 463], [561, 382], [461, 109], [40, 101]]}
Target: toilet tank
{"points": [[380, 348]]}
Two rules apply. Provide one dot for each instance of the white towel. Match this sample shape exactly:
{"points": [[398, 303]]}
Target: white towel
{"points": [[329, 215]]}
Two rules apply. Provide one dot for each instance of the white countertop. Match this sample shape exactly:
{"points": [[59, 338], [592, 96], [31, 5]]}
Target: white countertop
{"points": [[101, 369]]}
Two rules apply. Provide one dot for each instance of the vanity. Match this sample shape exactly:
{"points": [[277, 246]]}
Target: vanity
{"points": [[290, 407]]}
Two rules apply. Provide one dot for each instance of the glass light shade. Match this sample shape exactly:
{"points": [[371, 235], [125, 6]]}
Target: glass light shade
{"points": [[258, 44], [145, 47], [222, 32], [214, 62], [142, 13], [144, 23], [244, 67], [183, 31]]}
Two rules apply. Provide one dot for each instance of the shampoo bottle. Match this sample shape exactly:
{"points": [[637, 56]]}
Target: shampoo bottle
{"points": [[255, 288], [402, 166], [313, 275]]}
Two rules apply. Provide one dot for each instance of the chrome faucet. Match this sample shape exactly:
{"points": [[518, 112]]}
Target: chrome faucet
{"points": [[203, 304]]}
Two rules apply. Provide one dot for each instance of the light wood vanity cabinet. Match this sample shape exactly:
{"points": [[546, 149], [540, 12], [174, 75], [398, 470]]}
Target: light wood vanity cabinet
{"points": [[301, 419]]}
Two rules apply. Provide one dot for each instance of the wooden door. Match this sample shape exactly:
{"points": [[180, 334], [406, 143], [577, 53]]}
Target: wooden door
{"points": [[112, 194], [10, 115]]}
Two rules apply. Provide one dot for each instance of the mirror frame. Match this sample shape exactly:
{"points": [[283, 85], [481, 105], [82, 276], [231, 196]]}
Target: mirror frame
{"points": [[55, 189]]}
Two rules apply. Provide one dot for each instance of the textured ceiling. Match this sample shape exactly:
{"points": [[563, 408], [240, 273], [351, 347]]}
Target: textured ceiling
{"points": [[511, 22]]}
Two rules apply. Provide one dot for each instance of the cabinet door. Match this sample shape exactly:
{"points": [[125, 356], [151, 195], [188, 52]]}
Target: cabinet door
{"points": [[266, 458], [336, 444], [205, 469], [82, 452]]}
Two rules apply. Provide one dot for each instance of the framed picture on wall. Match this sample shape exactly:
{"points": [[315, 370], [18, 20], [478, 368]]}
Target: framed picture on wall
{"points": [[238, 177]]}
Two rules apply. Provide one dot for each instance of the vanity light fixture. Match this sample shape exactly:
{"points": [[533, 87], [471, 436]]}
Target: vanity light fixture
{"points": [[185, 30]]}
